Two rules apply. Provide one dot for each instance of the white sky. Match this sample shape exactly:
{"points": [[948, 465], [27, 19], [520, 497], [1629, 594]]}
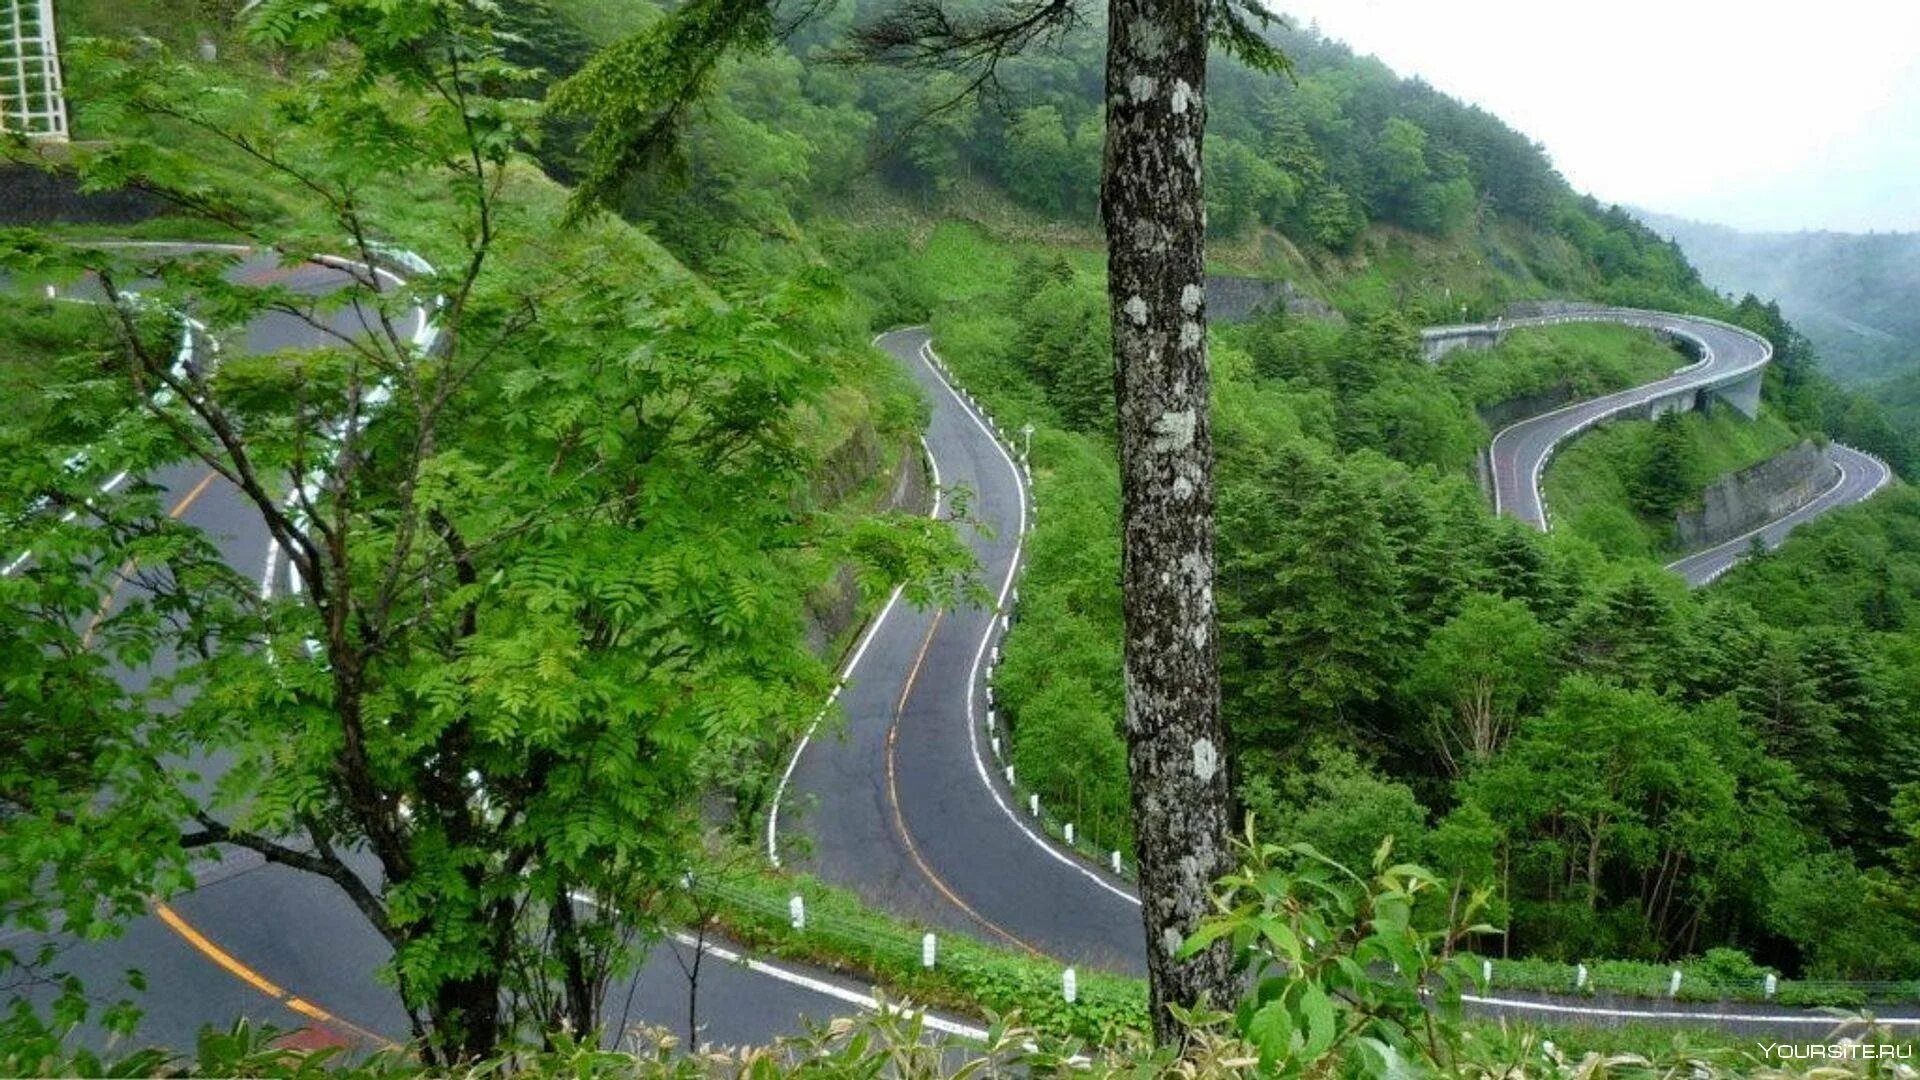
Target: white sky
{"points": [[1750, 114]]}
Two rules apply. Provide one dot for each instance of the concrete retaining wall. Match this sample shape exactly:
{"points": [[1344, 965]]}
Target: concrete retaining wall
{"points": [[1515, 409], [1231, 298], [1750, 498], [30, 196], [834, 608], [1435, 344]]}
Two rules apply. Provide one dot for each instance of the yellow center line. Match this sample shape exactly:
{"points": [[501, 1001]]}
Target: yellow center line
{"points": [[900, 821], [126, 568], [173, 920], [205, 947]]}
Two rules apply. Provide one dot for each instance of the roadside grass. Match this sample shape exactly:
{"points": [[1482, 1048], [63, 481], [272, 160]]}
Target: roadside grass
{"points": [[1583, 359], [1589, 484], [978, 980], [47, 343]]}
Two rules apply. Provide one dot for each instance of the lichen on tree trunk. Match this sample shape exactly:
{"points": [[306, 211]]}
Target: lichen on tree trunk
{"points": [[1155, 216]]}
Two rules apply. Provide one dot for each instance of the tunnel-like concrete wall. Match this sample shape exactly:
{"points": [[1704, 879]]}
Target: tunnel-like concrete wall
{"points": [[1440, 341]]}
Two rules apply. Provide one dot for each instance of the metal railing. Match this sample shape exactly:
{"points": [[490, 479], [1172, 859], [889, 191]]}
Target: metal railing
{"points": [[32, 98]]}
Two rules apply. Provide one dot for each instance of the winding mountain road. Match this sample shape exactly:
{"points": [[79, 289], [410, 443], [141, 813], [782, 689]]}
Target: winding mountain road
{"points": [[1727, 356], [1520, 451], [911, 806], [908, 804]]}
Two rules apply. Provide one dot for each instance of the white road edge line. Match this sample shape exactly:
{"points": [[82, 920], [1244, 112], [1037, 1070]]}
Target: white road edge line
{"points": [[812, 983], [846, 670], [925, 354], [1672, 1014], [828, 989]]}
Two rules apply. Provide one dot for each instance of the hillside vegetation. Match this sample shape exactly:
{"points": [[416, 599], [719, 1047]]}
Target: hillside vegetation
{"points": [[1618, 487], [1397, 661], [673, 436]]}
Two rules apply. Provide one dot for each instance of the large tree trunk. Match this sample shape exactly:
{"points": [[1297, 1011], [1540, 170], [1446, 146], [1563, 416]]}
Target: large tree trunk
{"points": [[466, 1018], [1155, 217]]}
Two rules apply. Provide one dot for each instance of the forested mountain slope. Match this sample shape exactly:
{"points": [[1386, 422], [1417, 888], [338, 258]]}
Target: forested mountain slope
{"points": [[1397, 661], [1377, 188]]}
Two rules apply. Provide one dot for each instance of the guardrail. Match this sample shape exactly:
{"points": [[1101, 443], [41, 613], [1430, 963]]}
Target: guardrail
{"points": [[425, 338], [1622, 401]]}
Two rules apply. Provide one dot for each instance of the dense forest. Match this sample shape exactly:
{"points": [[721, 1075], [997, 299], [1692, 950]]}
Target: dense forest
{"points": [[584, 575], [1639, 771]]}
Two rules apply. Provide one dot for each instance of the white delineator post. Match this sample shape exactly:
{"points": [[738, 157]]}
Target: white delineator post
{"points": [[1069, 986], [929, 950], [797, 912]]}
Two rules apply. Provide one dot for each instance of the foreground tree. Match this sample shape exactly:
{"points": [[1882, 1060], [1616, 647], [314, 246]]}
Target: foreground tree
{"points": [[546, 555], [1154, 208]]}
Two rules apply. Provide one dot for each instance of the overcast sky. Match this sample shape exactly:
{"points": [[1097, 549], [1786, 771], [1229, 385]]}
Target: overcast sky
{"points": [[1723, 111]]}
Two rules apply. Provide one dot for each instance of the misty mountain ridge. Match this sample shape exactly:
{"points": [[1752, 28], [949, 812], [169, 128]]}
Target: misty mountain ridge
{"points": [[1851, 293]]}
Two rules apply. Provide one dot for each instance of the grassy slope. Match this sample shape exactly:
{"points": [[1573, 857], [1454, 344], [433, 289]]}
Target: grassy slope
{"points": [[30, 332], [1480, 269], [1587, 484], [1588, 359]]}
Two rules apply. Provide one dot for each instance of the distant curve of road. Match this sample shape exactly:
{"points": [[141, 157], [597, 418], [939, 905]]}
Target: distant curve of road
{"points": [[1519, 453]]}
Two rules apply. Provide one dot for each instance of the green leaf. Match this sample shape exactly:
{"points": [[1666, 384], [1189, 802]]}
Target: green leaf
{"points": [[1317, 1009], [1272, 1031]]}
